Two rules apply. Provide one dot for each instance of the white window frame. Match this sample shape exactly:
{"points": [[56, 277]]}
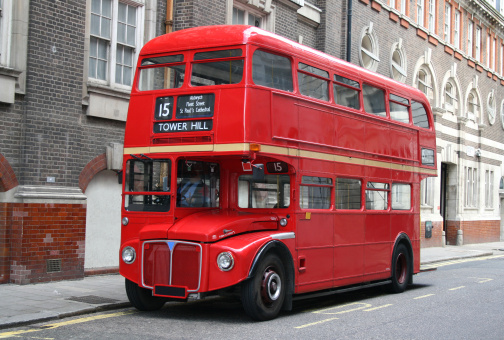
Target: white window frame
{"points": [[491, 107], [113, 44], [447, 23], [495, 54], [471, 187], [432, 16], [258, 8], [427, 192], [5, 31], [470, 32], [477, 46], [369, 55], [420, 12], [403, 7], [488, 50], [489, 189], [392, 4], [456, 31]]}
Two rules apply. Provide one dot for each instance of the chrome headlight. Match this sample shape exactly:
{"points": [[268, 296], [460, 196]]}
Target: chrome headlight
{"points": [[225, 261], [125, 221], [128, 255]]}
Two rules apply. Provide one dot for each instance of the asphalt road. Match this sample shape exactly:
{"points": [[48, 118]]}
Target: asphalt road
{"points": [[461, 300]]}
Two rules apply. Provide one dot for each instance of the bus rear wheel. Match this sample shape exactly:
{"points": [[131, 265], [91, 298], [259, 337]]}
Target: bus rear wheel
{"points": [[141, 298], [400, 269], [263, 295]]}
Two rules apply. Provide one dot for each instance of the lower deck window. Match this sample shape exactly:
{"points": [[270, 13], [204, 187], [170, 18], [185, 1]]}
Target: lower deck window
{"points": [[348, 193], [377, 196], [315, 192], [401, 196], [271, 192]]}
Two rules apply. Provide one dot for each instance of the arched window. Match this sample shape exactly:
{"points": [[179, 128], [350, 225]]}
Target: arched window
{"points": [[424, 82], [369, 50], [473, 106], [502, 113], [398, 62], [491, 107], [451, 97]]}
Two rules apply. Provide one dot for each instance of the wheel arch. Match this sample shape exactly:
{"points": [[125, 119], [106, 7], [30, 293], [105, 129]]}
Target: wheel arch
{"points": [[405, 240], [282, 251]]}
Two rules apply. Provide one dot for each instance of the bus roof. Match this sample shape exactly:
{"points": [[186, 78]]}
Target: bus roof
{"points": [[232, 35]]}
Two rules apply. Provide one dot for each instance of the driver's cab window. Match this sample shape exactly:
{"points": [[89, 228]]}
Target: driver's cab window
{"points": [[197, 184], [272, 191]]}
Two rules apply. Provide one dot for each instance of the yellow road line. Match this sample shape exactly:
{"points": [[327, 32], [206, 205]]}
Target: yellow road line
{"points": [[375, 308], [423, 296], [457, 288], [315, 323], [65, 323]]}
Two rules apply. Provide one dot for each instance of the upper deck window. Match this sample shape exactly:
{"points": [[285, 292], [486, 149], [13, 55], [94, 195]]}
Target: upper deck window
{"points": [[165, 72], [272, 70], [374, 100], [419, 114], [399, 108], [346, 92], [221, 72], [311, 82]]}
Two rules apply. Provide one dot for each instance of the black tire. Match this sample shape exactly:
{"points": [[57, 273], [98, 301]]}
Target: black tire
{"points": [[263, 295], [141, 298], [401, 269]]}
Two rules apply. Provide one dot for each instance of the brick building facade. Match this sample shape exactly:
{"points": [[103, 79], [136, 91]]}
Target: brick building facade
{"points": [[65, 74]]}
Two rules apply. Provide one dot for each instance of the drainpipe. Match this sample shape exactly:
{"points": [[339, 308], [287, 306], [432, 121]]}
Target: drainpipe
{"points": [[169, 16], [349, 31]]}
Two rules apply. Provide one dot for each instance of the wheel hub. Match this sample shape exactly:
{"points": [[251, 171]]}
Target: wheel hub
{"points": [[271, 286]]}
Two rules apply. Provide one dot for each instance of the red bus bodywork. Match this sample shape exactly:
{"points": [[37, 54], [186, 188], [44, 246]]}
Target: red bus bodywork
{"points": [[175, 251]]}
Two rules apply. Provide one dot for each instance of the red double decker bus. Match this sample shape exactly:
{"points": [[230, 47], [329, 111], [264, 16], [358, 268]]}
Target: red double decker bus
{"points": [[257, 166]]}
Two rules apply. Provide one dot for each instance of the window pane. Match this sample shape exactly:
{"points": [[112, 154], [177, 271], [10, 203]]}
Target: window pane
{"points": [[419, 115], [346, 96], [159, 78], [122, 12], [102, 49], [121, 33], [102, 70], [348, 193], [401, 196], [130, 35], [197, 184], [315, 197], [132, 16], [218, 54], [347, 81], [314, 70], [238, 17], [96, 6], [399, 112], [105, 28], [272, 70], [377, 198], [271, 192], [217, 73], [107, 8], [95, 24], [163, 60], [374, 100], [92, 67], [148, 176], [313, 87]]}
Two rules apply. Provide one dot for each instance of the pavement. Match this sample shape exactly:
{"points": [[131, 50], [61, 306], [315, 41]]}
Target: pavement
{"points": [[27, 304]]}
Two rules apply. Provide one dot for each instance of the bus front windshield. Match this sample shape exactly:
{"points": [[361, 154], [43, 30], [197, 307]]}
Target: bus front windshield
{"points": [[147, 185], [197, 184]]}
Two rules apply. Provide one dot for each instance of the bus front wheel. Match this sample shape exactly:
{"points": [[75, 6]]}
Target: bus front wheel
{"points": [[400, 269], [142, 298], [263, 294]]}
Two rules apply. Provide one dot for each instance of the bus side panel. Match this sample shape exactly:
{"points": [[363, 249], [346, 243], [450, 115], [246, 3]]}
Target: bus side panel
{"points": [[377, 244], [314, 242], [284, 116], [229, 116], [349, 132], [348, 248], [316, 124]]}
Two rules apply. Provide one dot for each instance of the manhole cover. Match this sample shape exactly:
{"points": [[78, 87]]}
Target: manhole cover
{"points": [[93, 299]]}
